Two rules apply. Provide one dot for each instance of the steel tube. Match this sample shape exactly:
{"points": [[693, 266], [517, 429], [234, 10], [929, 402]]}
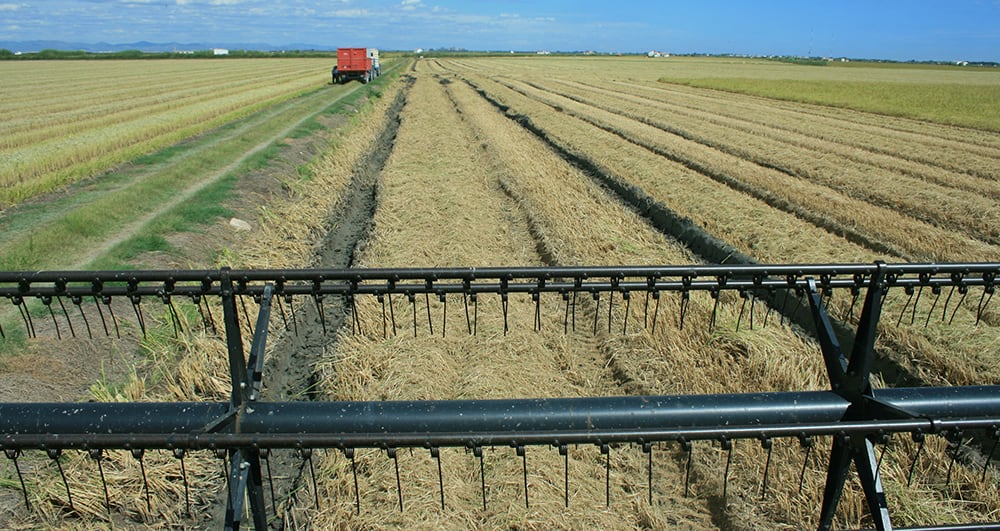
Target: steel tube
{"points": [[487, 422]]}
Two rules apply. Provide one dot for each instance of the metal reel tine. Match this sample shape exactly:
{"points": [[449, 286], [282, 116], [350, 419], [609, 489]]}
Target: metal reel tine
{"points": [[224, 456], [806, 442], [505, 304], [647, 448], [246, 315], [768, 444], [97, 455], [475, 314], [392, 314], [715, 309], [138, 454], [784, 302], [919, 438], [963, 290], [984, 301], [465, 303], [179, 455], [537, 298], [628, 304], [573, 313], [355, 316], [916, 303], [78, 302], [947, 301], [957, 440], [175, 317], [385, 323], [413, 307], [54, 454], [606, 450], [291, 310], [306, 455], [201, 312], [645, 311], [427, 305], [436, 454], [47, 301], [986, 464], [753, 302], [523, 454], [884, 440], [281, 311], [349, 453], [265, 454], [318, 300], [611, 306], [909, 292], [689, 448], [29, 324], [564, 451], [656, 310], [743, 307], [477, 451], [69, 321], [727, 445], [565, 297], [936, 290], [137, 308], [597, 309], [13, 454], [391, 452], [443, 299]]}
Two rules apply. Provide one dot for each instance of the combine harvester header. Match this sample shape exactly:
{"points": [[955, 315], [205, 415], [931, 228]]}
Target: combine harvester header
{"points": [[857, 416]]}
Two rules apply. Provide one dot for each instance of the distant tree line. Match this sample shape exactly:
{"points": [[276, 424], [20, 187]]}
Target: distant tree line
{"points": [[139, 54]]}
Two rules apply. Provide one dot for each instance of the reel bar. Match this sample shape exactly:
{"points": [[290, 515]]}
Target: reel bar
{"points": [[487, 280], [244, 429], [470, 423]]}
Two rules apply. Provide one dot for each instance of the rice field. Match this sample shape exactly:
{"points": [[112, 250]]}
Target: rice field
{"points": [[67, 120], [763, 179], [493, 164]]}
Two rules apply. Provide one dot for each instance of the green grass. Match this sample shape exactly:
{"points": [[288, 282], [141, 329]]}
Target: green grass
{"points": [[47, 242], [954, 104]]}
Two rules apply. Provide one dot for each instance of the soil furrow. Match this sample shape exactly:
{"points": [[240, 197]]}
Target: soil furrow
{"points": [[892, 228]]}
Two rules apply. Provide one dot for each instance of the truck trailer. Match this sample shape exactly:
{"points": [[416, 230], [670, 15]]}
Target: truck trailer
{"points": [[356, 63]]}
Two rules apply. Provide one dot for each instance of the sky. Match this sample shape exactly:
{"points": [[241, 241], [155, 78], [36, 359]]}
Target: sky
{"points": [[937, 30]]}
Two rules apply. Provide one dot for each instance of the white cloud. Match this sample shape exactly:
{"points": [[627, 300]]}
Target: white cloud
{"points": [[10, 7], [410, 5], [350, 13]]}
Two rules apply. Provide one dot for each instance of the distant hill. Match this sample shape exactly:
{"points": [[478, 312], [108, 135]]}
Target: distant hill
{"points": [[37, 46]]}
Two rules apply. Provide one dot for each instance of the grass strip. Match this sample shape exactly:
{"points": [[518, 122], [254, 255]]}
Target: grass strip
{"points": [[953, 104]]}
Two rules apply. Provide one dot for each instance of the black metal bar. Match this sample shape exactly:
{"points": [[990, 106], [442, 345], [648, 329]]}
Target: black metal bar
{"points": [[234, 342], [318, 282], [486, 422]]}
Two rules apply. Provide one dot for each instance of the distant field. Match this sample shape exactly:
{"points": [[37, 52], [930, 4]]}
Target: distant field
{"points": [[66, 120], [948, 95]]}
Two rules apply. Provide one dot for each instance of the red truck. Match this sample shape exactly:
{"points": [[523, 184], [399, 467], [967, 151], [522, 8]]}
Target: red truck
{"points": [[356, 63]]}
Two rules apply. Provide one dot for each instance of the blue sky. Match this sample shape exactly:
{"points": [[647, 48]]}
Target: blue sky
{"points": [[885, 29]]}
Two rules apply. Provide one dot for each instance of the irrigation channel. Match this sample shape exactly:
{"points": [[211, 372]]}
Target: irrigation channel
{"points": [[483, 170]]}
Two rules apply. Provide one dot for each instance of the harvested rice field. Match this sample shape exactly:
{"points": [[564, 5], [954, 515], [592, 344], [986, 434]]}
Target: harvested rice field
{"points": [[476, 162]]}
